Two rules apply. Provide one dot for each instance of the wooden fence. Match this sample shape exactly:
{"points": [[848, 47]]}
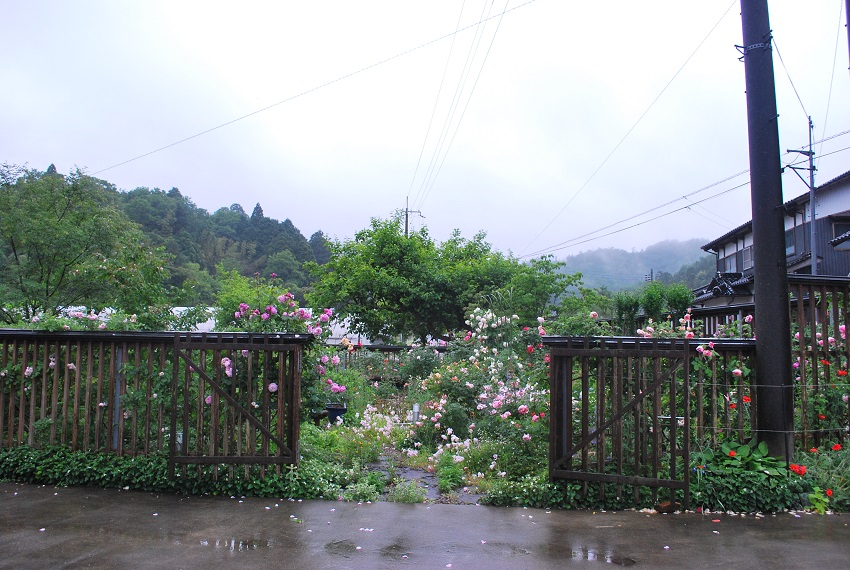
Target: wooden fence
{"points": [[203, 398], [630, 411]]}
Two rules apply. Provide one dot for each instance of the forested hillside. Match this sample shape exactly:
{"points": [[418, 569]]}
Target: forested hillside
{"points": [[229, 238], [617, 269]]}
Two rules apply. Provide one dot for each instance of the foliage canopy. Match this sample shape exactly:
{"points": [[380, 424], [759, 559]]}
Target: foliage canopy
{"points": [[391, 285], [64, 242]]}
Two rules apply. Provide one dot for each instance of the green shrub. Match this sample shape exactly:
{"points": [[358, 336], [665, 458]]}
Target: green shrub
{"points": [[744, 478], [405, 491]]}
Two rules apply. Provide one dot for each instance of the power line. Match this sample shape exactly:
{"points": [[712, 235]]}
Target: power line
{"points": [[323, 85], [832, 75], [465, 107], [788, 75], [453, 105], [436, 101], [569, 242], [622, 140], [645, 212], [550, 250]]}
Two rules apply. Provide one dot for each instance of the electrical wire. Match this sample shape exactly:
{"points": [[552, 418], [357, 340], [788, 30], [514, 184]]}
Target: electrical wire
{"points": [[832, 76], [569, 242], [308, 91], [645, 212], [550, 250], [465, 107], [436, 101], [455, 101], [640, 118], [791, 81]]}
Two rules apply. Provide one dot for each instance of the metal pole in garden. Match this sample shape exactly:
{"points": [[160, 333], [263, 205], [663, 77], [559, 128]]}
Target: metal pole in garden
{"points": [[774, 392]]}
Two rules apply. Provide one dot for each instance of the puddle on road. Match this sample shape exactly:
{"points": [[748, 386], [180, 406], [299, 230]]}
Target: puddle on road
{"points": [[344, 548], [591, 555], [588, 554], [399, 550], [236, 545]]}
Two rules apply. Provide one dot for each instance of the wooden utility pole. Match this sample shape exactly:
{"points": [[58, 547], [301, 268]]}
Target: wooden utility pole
{"points": [[774, 391]]}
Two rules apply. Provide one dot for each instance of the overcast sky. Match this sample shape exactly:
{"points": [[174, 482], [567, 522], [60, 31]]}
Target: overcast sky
{"points": [[540, 126]]}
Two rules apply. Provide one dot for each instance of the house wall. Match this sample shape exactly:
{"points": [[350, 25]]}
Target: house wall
{"points": [[828, 203]]}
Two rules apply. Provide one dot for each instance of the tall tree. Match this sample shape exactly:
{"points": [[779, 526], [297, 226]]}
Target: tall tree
{"points": [[64, 242], [392, 286]]}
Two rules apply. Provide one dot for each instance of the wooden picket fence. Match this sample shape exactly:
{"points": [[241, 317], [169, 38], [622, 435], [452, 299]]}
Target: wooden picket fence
{"points": [[134, 393]]}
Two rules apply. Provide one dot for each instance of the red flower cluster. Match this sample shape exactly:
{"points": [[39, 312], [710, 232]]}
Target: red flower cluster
{"points": [[836, 447], [798, 469], [825, 362], [732, 406], [747, 399], [841, 372]]}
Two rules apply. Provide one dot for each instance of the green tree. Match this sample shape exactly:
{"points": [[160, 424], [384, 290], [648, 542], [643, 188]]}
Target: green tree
{"points": [[64, 242], [393, 286], [653, 300], [626, 307], [678, 297]]}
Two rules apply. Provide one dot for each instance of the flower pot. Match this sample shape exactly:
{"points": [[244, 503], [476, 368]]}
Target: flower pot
{"points": [[335, 410]]}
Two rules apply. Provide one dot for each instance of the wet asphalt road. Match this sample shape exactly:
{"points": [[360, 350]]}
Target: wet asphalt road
{"points": [[48, 527]]}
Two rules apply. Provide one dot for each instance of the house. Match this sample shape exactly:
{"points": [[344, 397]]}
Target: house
{"points": [[730, 292]]}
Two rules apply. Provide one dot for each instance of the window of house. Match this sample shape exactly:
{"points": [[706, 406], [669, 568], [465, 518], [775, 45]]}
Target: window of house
{"points": [[790, 243], [747, 258], [729, 264], [840, 228]]}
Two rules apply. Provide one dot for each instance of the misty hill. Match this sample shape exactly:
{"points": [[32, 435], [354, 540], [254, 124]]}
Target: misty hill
{"points": [[618, 269]]}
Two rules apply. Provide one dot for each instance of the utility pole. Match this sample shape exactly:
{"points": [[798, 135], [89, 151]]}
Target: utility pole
{"points": [[811, 184], [407, 213], [847, 22], [774, 390]]}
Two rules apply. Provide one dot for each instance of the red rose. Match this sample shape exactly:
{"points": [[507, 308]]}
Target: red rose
{"points": [[813, 450], [732, 453], [829, 492], [747, 399], [836, 447], [821, 417], [732, 406]]}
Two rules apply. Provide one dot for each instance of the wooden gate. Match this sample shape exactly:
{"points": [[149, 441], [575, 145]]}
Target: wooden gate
{"points": [[237, 399], [619, 413]]}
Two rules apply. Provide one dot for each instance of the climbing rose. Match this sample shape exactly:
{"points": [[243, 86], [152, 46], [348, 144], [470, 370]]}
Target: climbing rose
{"points": [[594, 315], [732, 453], [526, 437], [272, 387], [836, 447], [829, 492], [208, 400], [737, 372]]}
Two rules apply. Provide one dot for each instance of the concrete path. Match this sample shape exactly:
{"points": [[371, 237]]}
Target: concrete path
{"points": [[47, 527]]}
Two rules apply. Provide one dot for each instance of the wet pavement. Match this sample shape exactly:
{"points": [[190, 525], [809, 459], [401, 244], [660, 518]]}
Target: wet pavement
{"points": [[49, 527]]}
